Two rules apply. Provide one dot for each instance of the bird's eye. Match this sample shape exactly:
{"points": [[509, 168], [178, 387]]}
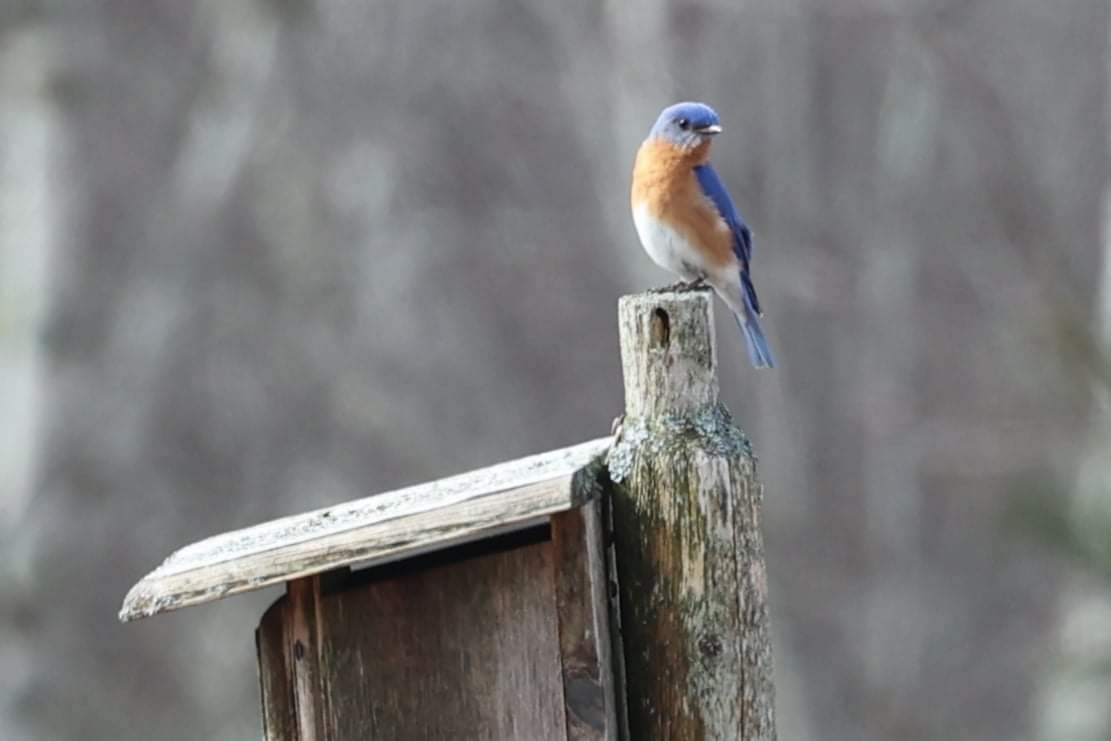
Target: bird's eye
{"points": [[683, 124]]}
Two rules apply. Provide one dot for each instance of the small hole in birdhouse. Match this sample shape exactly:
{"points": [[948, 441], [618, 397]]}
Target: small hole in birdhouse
{"points": [[660, 329]]}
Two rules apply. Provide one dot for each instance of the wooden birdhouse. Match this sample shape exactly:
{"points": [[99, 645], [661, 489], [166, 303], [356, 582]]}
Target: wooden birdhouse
{"points": [[471, 607], [491, 605]]}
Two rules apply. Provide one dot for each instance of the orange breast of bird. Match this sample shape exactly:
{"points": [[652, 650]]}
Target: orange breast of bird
{"points": [[664, 183]]}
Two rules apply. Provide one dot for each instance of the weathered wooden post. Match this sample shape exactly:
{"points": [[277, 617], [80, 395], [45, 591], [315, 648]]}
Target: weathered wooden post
{"points": [[686, 517]]}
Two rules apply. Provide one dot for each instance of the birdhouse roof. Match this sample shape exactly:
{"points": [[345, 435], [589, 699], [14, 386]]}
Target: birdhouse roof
{"points": [[377, 529]]}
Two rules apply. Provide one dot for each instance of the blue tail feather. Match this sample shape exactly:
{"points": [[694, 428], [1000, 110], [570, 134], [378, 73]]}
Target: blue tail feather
{"points": [[750, 292], [758, 351]]}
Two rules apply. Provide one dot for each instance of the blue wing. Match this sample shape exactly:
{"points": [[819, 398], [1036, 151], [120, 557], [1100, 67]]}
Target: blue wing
{"points": [[716, 192], [742, 238]]}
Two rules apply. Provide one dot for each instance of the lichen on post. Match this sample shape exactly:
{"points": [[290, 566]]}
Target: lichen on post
{"points": [[686, 507]]}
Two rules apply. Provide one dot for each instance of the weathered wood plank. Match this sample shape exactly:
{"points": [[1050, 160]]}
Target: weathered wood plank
{"points": [[279, 720], [584, 637], [374, 529], [303, 639], [686, 518], [458, 650]]}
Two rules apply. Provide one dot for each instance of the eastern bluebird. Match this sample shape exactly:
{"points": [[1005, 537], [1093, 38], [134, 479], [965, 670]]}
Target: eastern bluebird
{"points": [[686, 220]]}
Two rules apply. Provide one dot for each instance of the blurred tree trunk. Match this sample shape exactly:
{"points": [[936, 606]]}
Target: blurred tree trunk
{"points": [[30, 164], [1076, 702]]}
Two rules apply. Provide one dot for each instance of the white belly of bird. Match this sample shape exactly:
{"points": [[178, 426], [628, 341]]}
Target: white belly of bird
{"points": [[667, 248]]}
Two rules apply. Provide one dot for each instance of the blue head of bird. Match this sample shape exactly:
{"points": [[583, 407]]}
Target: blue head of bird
{"points": [[686, 125]]}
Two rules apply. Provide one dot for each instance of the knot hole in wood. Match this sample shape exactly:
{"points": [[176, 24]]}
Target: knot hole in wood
{"points": [[660, 330]]}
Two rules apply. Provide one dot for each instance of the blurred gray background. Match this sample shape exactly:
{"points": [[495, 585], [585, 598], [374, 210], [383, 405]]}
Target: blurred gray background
{"points": [[258, 257]]}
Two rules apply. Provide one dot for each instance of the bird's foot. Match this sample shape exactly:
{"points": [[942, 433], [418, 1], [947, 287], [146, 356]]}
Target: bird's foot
{"points": [[682, 286], [692, 285]]}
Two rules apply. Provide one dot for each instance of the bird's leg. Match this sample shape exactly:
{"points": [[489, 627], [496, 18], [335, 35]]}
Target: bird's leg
{"points": [[688, 285]]}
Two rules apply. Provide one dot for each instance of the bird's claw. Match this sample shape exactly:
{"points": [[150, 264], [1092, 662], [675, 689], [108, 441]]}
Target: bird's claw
{"points": [[692, 285], [682, 286]]}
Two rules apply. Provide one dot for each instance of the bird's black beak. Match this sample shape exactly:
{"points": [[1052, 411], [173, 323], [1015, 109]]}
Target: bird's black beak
{"points": [[711, 130]]}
